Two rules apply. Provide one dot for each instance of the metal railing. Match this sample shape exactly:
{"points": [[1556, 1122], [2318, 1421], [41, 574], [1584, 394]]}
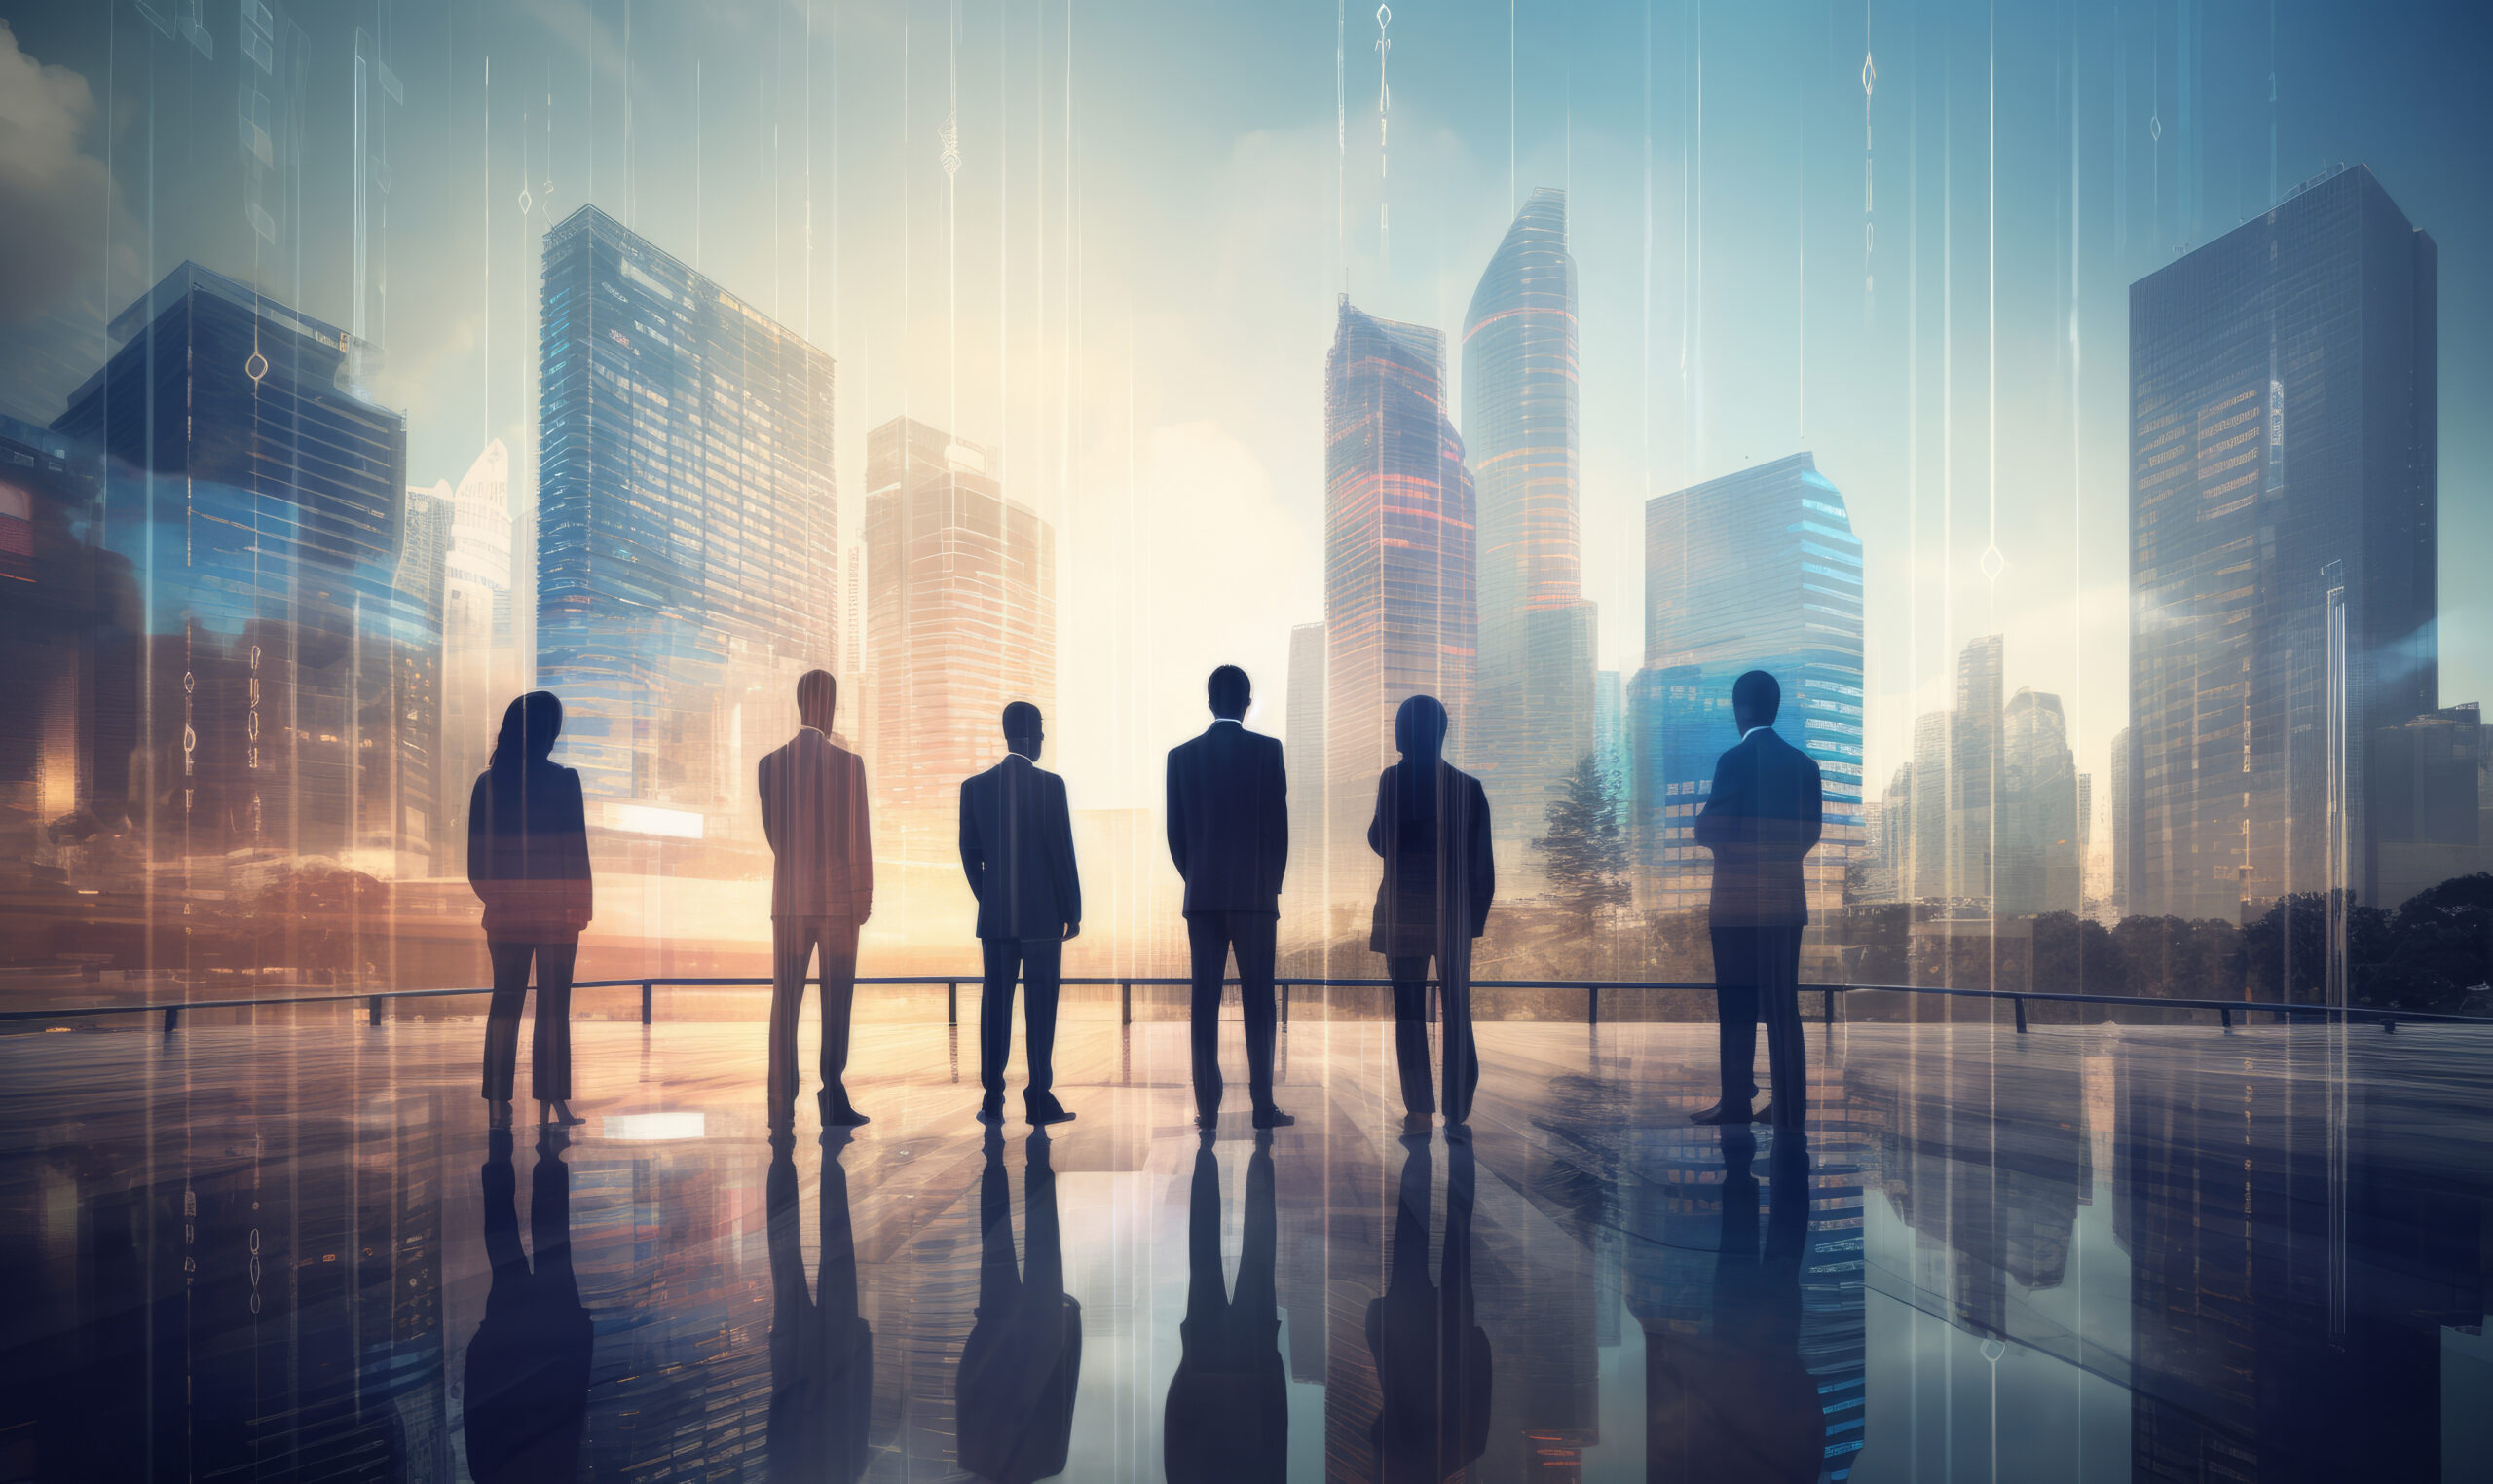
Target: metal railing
{"points": [[2387, 1018]]}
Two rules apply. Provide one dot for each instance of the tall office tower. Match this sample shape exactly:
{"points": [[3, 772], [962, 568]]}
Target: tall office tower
{"points": [[480, 671], [1677, 727], [687, 531], [260, 499], [2085, 838], [1757, 570], [1977, 728], [2425, 810], [2283, 514], [2121, 829], [1931, 832], [1305, 900], [1610, 737], [2042, 857], [423, 574], [856, 719], [1896, 833], [1532, 691], [960, 621], [1399, 608], [66, 735]]}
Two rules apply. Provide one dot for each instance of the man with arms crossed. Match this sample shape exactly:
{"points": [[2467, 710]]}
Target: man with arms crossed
{"points": [[822, 888], [1229, 833], [1762, 818]]}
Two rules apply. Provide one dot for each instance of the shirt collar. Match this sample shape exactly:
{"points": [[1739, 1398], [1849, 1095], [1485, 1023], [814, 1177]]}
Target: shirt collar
{"points": [[1237, 722], [1754, 730]]}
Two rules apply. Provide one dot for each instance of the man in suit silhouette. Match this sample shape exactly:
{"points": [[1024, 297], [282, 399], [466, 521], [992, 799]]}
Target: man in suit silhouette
{"points": [[1017, 848], [1762, 817], [1229, 833], [822, 889]]}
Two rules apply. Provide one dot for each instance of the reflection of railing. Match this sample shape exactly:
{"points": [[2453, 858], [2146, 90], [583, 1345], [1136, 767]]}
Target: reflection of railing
{"points": [[1592, 988]]}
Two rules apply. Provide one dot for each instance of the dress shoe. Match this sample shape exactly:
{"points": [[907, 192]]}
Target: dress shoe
{"points": [[991, 1108], [1764, 1115], [1272, 1118], [1721, 1113], [1418, 1123], [1043, 1112], [1457, 1130], [838, 1113], [1207, 1122]]}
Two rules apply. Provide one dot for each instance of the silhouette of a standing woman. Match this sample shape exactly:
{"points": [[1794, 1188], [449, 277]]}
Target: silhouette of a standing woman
{"points": [[1432, 825], [528, 861]]}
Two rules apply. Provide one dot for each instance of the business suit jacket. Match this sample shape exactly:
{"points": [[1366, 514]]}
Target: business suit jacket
{"points": [[1762, 817], [1229, 820], [1017, 848], [1437, 866], [813, 813], [528, 853]]}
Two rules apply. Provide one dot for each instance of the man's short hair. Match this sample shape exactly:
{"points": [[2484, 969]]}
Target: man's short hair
{"points": [[1230, 692], [1758, 693], [1020, 722], [817, 688]]}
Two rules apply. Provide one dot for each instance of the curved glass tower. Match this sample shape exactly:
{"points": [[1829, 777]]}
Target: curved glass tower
{"points": [[1533, 688], [1399, 565]]}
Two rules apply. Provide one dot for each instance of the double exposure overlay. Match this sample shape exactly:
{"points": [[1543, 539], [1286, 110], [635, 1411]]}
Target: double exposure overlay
{"points": [[1016, 739]]}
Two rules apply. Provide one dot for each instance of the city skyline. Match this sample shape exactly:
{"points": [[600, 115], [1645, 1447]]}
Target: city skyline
{"points": [[819, 197]]}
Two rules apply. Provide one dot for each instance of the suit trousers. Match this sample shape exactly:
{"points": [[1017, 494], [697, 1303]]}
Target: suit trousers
{"points": [[793, 941], [1461, 1059], [1213, 936], [1756, 971], [1041, 962], [550, 1058]]}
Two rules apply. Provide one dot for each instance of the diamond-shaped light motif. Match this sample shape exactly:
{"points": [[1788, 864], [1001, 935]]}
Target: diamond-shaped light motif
{"points": [[256, 367], [2154, 127], [1994, 564], [1868, 74], [526, 201]]}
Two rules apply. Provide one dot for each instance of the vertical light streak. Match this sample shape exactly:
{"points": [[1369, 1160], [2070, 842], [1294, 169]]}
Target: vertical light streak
{"points": [[1384, 110]]}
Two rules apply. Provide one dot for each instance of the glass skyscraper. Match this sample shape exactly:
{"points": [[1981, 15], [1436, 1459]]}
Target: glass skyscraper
{"points": [[1304, 897], [687, 531], [1532, 692], [260, 498], [1754, 571], [1399, 607], [960, 621], [2284, 517]]}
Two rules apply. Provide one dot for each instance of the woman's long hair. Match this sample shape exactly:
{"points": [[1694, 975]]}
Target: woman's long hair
{"points": [[1419, 734], [529, 729], [527, 738]]}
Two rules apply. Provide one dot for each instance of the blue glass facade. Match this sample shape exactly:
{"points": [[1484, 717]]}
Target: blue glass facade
{"points": [[1756, 570], [2284, 421], [688, 526], [284, 677], [1532, 693]]}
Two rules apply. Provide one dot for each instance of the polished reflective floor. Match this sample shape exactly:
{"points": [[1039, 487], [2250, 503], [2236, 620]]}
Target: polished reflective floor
{"points": [[292, 1250]]}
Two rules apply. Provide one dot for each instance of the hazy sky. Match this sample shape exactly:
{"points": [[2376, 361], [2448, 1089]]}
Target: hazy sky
{"points": [[1133, 288]]}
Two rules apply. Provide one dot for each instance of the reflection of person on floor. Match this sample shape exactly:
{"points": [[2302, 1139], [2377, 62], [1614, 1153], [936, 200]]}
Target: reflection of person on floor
{"points": [[1432, 827], [1228, 1418], [527, 1379], [1736, 1400], [1023, 1360], [1431, 1360], [822, 1354]]}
